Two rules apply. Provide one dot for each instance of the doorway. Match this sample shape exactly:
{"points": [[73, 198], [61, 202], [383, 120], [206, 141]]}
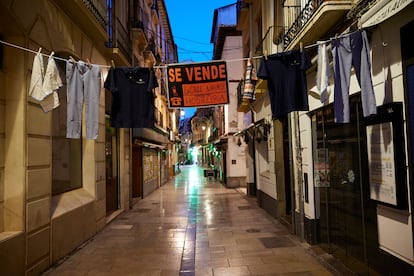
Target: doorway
{"points": [[347, 218], [137, 171]]}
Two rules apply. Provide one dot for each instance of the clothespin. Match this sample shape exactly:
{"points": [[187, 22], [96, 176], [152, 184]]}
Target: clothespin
{"points": [[250, 54], [72, 59], [265, 54], [40, 50], [359, 24], [51, 54], [88, 61], [301, 46], [112, 63]]}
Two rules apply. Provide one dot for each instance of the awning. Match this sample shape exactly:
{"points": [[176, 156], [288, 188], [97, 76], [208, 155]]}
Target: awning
{"points": [[261, 122], [382, 11], [149, 144]]}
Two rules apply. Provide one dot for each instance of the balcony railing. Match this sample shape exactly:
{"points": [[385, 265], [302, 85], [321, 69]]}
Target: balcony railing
{"points": [[91, 16], [303, 17], [99, 10], [119, 38]]}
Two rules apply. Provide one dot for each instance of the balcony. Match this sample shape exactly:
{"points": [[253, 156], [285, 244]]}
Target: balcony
{"points": [[138, 36], [314, 22], [119, 43], [151, 54], [90, 16]]}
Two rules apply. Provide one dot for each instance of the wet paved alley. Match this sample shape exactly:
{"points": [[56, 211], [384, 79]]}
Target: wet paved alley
{"points": [[193, 226]]}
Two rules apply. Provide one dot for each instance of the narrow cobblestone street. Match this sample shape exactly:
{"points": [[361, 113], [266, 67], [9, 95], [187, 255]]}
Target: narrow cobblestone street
{"points": [[193, 226]]}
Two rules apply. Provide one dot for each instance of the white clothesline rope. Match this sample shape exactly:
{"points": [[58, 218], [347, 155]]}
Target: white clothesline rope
{"points": [[45, 55], [157, 66], [107, 66]]}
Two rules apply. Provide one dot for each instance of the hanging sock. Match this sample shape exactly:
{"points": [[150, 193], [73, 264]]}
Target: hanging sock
{"points": [[323, 73]]}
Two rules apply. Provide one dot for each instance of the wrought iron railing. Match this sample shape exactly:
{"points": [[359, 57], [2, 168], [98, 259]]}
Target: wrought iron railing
{"points": [[119, 38], [303, 17], [99, 10]]}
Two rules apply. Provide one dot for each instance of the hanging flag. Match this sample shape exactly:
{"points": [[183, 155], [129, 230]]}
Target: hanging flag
{"points": [[197, 84]]}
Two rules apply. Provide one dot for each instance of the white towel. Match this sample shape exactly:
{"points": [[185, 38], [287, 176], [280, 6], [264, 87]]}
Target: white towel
{"points": [[323, 74], [36, 81], [51, 83], [52, 80]]}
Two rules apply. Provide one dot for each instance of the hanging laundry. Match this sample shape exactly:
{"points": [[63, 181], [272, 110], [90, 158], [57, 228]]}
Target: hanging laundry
{"points": [[323, 73], [286, 78], [132, 96], [43, 85], [250, 80], [36, 81], [50, 102], [51, 83], [83, 86], [352, 50]]}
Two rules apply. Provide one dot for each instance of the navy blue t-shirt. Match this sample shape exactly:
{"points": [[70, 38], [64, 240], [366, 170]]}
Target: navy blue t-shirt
{"points": [[132, 96], [286, 80]]}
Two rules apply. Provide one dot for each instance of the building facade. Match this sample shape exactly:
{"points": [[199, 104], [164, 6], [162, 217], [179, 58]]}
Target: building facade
{"points": [[345, 186], [47, 181], [227, 43]]}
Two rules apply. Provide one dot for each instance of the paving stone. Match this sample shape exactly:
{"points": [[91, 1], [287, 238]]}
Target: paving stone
{"points": [[192, 226]]}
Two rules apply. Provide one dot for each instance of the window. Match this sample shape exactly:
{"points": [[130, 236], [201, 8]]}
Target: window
{"points": [[66, 153]]}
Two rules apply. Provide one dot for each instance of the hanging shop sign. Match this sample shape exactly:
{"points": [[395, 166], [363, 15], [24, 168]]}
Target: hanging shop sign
{"points": [[197, 84]]}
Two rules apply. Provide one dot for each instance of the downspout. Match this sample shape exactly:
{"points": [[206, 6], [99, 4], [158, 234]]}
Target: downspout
{"points": [[300, 177], [252, 112], [253, 149], [292, 179], [131, 202]]}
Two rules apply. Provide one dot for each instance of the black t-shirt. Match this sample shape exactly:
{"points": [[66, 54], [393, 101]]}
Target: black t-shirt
{"points": [[132, 96], [286, 79]]}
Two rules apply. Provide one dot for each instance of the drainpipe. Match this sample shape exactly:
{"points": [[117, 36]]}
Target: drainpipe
{"points": [[252, 111], [131, 202], [292, 179], [300, 175]]}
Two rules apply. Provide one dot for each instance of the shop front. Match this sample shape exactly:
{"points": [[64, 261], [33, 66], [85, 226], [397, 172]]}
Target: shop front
{"points": [[150, 164], [346, 216]]}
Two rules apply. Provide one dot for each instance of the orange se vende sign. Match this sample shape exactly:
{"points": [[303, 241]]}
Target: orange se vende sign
{"points": [[197, 84]]}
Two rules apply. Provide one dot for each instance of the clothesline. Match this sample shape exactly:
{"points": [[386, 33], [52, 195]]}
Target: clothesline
{"points": [[45, 55], [157, 66], [108, 66]]}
